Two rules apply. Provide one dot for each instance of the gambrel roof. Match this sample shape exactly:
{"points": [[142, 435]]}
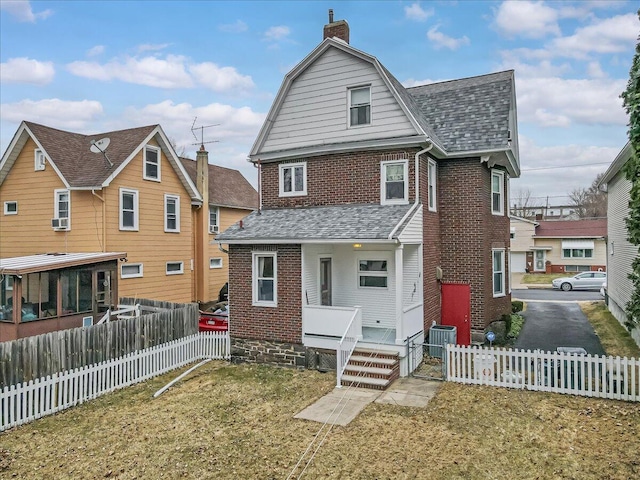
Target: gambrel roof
{"points": [[347, 223], [70, 155], [474, 116]]}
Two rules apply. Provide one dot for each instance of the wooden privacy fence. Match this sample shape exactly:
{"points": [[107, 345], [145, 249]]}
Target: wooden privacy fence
{"points": [[592, 376], [41, 355], [31, 400]]}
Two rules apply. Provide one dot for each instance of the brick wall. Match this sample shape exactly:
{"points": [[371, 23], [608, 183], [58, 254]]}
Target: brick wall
{"points": [[282, 323], [335, 179], [469, 231]]}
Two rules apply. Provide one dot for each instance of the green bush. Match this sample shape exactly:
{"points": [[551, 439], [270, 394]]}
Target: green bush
{"points": [[516, 323], [507, 322], [516, 306]]}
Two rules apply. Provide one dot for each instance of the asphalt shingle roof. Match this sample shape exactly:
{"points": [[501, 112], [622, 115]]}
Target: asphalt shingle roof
{"points": [[336, 222], [78, 165], [591, 228], [227, 187], [469, 114]]}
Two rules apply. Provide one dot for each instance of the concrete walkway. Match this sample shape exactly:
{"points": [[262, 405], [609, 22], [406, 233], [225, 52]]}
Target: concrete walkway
{"points": [[342, 405]]}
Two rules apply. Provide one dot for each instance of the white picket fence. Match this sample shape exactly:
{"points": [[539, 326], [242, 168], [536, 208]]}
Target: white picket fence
{"points": [[586, 375], [31, 400]]}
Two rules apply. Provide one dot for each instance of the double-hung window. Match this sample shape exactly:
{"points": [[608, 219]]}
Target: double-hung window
{"points": [[265, 279], [293, 179], [432, 178], [498, 273], [128, 209], [372, 273], [171, 213], [394, 185], [214, 219], [359, 106], [62, 208], [151, 163], [497, 192]]}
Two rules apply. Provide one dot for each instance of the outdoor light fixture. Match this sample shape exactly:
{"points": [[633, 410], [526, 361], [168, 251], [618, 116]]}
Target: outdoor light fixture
{"points": [[357, 245]]}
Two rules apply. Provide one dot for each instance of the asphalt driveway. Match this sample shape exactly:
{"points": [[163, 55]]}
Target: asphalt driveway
{"points": [[550, 325]]}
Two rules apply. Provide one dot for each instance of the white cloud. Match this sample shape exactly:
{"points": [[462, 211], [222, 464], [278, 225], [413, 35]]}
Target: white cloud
{"points": [[417, 13], [594, 70], [26, 70], [526, 19], [277, 33], [558, 102], [75, 116], [150, 71], [95, 51], [412, 82], [21, 10], [441, 40], [220, 79], [238, 27], [150, 47]]}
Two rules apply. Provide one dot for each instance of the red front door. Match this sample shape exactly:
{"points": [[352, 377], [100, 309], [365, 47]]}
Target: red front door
{"points": [[456, 310]]}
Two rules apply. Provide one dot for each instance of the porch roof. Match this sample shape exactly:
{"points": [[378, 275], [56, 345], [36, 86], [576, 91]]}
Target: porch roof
{"points": [[341, 223], [54, 261]]}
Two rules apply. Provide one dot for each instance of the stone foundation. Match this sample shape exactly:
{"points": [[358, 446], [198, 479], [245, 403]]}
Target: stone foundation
{"points": [[244, 350]]}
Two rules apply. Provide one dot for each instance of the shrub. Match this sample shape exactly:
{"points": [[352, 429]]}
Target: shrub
{"points": [[516, 326], [507, 322], [516, 306]]}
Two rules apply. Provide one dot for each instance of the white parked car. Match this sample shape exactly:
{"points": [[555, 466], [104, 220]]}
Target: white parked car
{"points": [[582, 281]]}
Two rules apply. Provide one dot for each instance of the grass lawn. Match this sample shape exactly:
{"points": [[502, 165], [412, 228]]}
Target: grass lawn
{"points": [[614, 338], [236, 422], [542, 278]]}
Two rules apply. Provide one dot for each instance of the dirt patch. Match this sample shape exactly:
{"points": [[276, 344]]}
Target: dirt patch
{"points": [[237, 422]]}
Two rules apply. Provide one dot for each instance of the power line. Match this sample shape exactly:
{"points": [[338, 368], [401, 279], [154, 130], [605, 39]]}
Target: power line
{"points": [[565, 166]]}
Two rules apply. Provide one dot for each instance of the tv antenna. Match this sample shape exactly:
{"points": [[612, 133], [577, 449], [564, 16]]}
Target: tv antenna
{"points": [[201, 128], [100, 146]]}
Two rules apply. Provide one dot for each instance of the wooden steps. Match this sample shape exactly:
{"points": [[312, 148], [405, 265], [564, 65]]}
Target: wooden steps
{"points": [[374, 369]]}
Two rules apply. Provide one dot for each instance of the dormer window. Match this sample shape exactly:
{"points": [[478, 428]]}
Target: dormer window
{"points": [[359, 106], [151, 163], [394, 182]]}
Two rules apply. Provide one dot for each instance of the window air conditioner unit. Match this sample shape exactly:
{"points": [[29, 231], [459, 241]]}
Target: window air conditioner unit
{"points": [[59, 223], [213, 228]]}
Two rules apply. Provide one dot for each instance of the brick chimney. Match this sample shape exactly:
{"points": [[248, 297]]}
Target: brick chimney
{"points": [[338, 29]]}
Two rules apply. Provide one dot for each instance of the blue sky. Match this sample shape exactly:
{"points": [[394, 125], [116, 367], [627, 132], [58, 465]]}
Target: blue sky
{"points": [[91, 67]]}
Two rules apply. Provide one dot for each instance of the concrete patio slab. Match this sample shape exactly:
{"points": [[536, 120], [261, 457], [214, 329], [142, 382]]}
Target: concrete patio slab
{"points": [[410, 392]]}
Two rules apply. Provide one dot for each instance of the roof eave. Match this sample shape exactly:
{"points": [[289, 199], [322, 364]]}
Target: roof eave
{"points": [[622, 158], [296, 241]]}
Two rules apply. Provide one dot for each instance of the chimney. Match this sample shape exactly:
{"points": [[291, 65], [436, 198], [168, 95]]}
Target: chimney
{"points": [[338, 29]]}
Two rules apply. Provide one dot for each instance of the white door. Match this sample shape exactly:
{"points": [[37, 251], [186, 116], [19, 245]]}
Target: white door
{"points": [[325, 281], [541, 256]]}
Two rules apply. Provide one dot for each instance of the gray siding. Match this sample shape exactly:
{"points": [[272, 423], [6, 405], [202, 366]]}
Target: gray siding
{"points": [[314, 111], [619, 286]]}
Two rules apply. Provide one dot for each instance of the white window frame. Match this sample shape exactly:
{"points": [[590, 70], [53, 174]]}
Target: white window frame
{"points": [[167, 198], [502, 290], [373, 273], [583, 250], [136, 209], [145, 162], [499, 174], [215, 262], [383, 182], [215, 226], [350, 105], [293, 193], [432, 184], [56, 206], [175, 272], [255, 279], [139, 274], [39, 160], [6, 207]]}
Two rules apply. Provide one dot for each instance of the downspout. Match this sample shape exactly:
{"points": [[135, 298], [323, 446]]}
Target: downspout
{"points": [[258, 165], [104, 219]]}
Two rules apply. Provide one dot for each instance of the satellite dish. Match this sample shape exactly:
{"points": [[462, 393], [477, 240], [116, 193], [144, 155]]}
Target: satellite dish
{"points": [[100, 146]]}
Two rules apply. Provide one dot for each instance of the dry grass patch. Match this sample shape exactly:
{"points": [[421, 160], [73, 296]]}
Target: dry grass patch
{"points": [[542, 278], [229, 421], [614, 338]]}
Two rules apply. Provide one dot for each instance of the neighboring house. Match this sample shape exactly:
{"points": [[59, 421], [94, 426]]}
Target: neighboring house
{"points": [[621, 251], [522, 250], [375, 198], [231, 198], [558, 246], [123, 191], [548, 212]]}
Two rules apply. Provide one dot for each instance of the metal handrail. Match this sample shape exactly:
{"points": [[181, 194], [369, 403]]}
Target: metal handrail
{"points": [[349, 339]]}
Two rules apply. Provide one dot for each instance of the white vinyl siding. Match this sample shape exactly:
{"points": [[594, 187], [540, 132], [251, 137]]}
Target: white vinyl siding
{"points": [[316, 105], [172, 213], [151, 163], [497, 192], [128, 209], [413, 231], [411, 278]]}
